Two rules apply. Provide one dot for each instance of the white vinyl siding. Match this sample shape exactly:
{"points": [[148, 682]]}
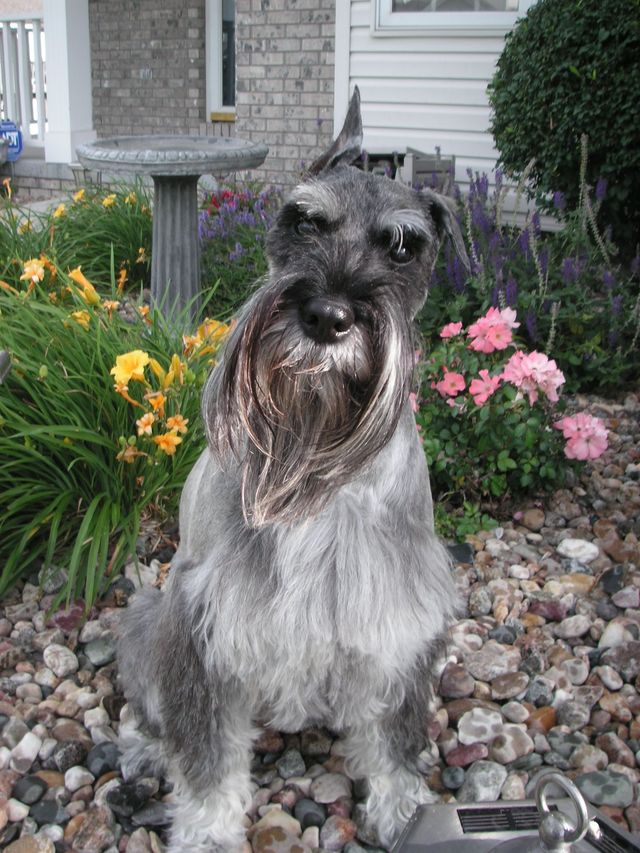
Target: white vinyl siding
{"points": [[418, 90]]}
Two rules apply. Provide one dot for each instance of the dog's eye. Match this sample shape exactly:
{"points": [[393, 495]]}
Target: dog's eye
{"points": [[306, 227], [401, 254]]}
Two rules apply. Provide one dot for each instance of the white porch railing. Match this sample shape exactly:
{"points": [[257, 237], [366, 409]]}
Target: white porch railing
{"points": [[22, 76]]}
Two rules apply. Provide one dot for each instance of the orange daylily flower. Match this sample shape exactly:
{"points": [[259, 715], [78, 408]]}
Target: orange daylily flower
{"points": [[88, 292], [123, 389], [178, 423], [33, 271], [129, 454], [145, 423], [167, 442], [156, 400], [122, 279]]}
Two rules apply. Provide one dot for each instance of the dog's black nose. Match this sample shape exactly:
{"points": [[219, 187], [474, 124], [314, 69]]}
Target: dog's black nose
{"points": [[326, 319]]}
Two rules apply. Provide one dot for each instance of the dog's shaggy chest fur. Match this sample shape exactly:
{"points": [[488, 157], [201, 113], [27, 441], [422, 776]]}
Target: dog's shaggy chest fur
{"points": [[309, 587], [305, 599]]}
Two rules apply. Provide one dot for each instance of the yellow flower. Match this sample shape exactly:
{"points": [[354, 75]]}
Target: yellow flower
{"points": [[128, 454], [109, 200], [83, 318], [142, 256], [167, 442], [122, 278], [157, 400], [132, 198], [178, 423], [6, 183], [79, 196], [33, 271], [110, 305], [145, 423], [129, 366], [25, 227], [59, 211], [88, 292], [158, 370]]}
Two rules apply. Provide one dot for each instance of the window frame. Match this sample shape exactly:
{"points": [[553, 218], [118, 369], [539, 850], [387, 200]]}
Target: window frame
{"points": [[385, 22], [215, 110]]}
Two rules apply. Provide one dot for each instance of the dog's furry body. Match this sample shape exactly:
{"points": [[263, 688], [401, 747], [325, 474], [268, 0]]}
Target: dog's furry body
{"points": [[309, 587]]}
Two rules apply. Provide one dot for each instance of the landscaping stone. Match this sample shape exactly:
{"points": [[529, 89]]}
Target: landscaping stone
{"points": [[543, 675]]}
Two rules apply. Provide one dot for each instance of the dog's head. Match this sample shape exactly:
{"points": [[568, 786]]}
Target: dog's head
{"points": [[317, 371]]}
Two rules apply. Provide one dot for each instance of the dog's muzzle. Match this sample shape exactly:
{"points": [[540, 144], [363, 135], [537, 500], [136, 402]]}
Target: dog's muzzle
{"points": [[326, 319]]}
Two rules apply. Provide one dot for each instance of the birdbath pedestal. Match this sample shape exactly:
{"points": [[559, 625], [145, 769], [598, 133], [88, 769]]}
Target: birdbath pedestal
{"points": [[175, 163]]}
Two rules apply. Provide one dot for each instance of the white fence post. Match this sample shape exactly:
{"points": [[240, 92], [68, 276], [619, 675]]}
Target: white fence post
{"points": [[22, 77]]}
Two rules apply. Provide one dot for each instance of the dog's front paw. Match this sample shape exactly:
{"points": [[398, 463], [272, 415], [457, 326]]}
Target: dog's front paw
{"points": [[392, 800]]}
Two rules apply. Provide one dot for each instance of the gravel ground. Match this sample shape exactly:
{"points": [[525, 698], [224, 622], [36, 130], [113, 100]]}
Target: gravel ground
{"points": [[543, 673]]}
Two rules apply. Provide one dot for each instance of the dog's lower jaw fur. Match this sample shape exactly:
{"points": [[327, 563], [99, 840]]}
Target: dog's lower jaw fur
{"points": [[332, 621]]}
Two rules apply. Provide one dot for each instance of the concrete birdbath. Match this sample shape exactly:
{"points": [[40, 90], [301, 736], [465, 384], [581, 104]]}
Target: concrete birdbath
{"points": [[175, 163]]}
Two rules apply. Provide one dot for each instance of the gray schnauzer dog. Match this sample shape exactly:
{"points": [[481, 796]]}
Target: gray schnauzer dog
{"points": [[309, 587]]}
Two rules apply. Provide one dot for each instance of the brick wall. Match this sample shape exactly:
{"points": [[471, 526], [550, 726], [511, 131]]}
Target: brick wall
{"points": [[148, 67], [285, 80], [148, 71]]}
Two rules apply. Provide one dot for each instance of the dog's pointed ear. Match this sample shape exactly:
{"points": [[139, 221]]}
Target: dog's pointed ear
{"points": [[442, 211], [347, 146]]}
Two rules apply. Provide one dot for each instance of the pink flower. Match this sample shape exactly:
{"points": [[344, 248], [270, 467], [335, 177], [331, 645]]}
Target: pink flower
{"points": [[481, 389], [586, 436], [451, 330], [413, 401], [493, 331], [451, 384], [533, 372]]}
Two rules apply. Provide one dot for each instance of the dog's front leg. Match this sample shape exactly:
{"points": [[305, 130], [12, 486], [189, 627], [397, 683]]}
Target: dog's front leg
{"points": [[212, 792], [385, 751], [396, 788]]}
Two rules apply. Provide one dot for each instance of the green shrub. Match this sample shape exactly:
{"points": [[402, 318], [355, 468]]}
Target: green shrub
{"points": [[82, 462], [568, 68]]}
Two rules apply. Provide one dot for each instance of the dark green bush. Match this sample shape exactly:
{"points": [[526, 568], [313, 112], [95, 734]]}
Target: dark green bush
{"points": [[572, 67]]}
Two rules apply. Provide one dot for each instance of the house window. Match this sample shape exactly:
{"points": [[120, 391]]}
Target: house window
{"points": [[418, 17], [221, 58]]}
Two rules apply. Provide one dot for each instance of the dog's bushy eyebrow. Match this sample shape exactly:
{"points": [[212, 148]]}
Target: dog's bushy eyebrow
{"points": [[316, 200], [399, 223]]}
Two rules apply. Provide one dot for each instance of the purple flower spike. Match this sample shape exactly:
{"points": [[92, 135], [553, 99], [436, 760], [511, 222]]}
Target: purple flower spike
{"points": [[559, 201], [601, 189], [511, 292], [608, 279], [616, 305], [568, 271], [531, 325]]}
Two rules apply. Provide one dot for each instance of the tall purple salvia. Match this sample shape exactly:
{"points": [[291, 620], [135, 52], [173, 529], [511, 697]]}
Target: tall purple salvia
{"points": [[511, 292], [608, 279], [601, 188], [559, 201], [568, 271], [531, 325]]}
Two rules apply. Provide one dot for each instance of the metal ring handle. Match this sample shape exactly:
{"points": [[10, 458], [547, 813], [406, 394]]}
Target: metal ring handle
{"points": [[573, 833]]}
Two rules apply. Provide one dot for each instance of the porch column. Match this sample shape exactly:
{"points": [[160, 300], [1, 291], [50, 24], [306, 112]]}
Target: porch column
{"points": [[69, 99]]}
